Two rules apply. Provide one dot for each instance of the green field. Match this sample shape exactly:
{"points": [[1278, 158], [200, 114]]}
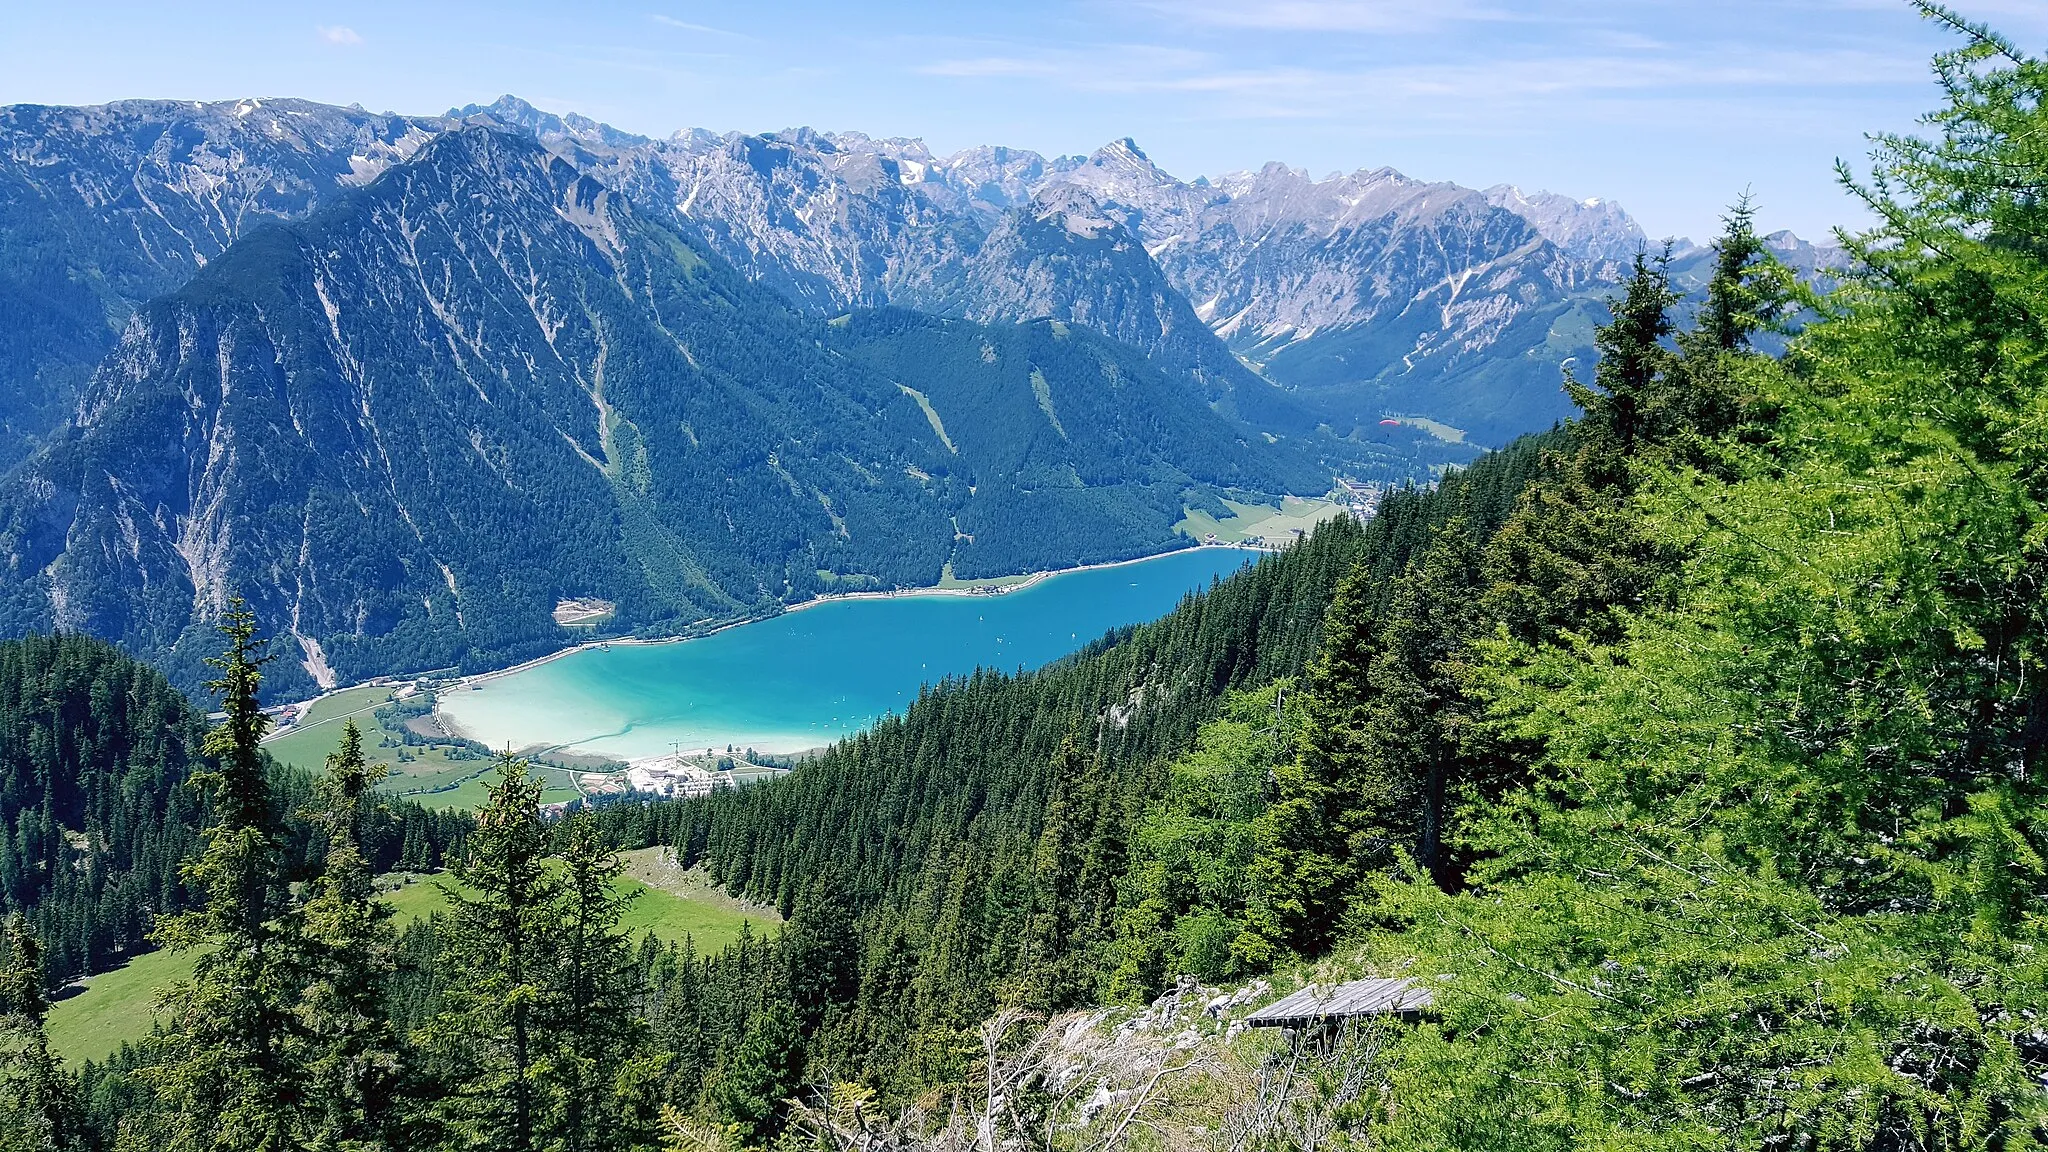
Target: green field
{"points": [[1274, 525], [667, 902], [440, 775], [467, 785], [308, 743], [115, 1007], [949, 581]]}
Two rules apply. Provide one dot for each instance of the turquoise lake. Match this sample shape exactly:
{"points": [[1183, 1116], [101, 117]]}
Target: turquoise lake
{"points": [[806, 678]]}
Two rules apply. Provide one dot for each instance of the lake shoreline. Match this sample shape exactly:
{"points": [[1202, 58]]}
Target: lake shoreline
{"points": [[1029, 580]]}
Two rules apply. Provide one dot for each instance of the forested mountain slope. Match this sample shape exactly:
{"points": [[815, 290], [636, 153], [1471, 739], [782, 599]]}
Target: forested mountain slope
{"points": [[103, 208], [1065, 257], [95, 815], [980, 840], [1357, 295], [98, 812], [407, 427]]}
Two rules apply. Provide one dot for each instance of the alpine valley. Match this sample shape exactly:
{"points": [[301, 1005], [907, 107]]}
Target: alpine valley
{"points": [[408, 383], [1656, 760]]}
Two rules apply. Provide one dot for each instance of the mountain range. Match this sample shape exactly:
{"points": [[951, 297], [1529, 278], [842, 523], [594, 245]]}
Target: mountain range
{"points": [[406, 383], [1361, 296]]}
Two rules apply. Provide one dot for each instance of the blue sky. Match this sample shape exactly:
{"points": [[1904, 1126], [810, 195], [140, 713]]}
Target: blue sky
{"points": [[1670, 106]]}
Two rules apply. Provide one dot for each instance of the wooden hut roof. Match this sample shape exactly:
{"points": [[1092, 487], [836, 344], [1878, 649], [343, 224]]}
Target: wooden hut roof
{"points": [[1318, 1003]]}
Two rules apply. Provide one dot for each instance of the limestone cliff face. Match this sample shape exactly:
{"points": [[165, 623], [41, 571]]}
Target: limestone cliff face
{"points": [[102, 208], [1356, 295], [1353, 296], [407, 426]]}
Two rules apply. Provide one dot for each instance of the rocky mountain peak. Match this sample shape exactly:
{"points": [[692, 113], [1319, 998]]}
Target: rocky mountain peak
{"points": [[1804, 256], [996, 176], [508, 108], [513, 112], [106, 206], [899, 148], [1120, 173], [1073, 208], [1124, 153], [1591, 229]]}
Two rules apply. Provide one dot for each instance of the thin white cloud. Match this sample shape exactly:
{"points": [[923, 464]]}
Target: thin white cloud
{"points": [[340, 35], [686, 26], [1327, 15], [1485, 96]]}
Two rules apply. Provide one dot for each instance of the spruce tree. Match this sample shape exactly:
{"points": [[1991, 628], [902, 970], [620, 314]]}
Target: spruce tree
{"points": [[1626, 401], [821, 950], [751, 1091], [1575, 553], [38, 1104], [1046, 969], [351, 1050], [597, 1028], [1739, 299], [1302, 866], [223, 1070], [491, 1041], [1416, 724]]}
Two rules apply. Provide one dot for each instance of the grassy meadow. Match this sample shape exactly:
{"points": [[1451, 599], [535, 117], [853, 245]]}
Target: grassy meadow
{"points": [[1276, 525], [116, 1007]]}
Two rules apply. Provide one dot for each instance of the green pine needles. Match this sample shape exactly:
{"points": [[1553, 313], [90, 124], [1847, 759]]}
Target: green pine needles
{"points": [[303, 1027], [39, 1107], [222, 1071], [537, 1039]]}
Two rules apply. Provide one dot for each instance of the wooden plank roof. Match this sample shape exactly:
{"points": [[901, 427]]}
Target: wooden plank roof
{"points": [[1322, 1002]]}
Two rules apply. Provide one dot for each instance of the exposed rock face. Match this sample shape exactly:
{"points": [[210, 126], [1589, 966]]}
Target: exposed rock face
{"points": [[1357, 295], [102, 208], [1373, 292], [409, 426], [1596, 230]]}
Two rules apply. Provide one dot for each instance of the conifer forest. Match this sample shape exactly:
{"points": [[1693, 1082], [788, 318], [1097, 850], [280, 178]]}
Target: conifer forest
{"points": [[1691, 756]]}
